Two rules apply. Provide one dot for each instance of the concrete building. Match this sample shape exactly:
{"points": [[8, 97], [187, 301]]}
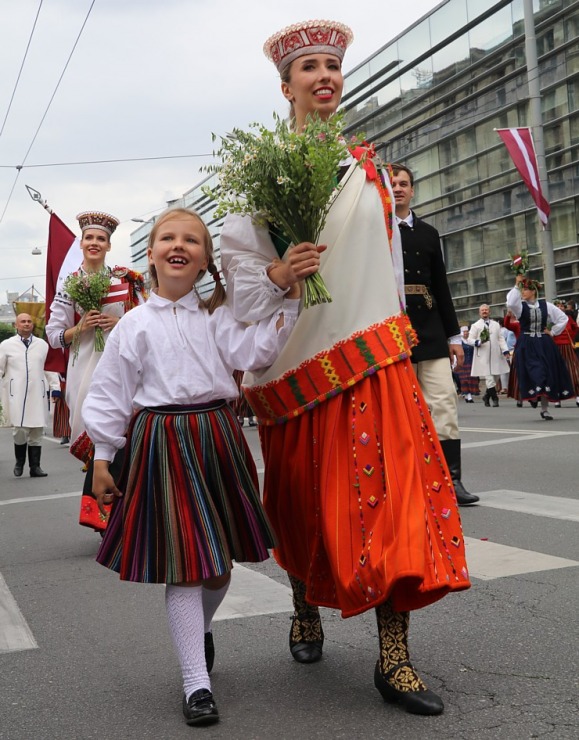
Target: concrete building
{"points": [[432, 99]]}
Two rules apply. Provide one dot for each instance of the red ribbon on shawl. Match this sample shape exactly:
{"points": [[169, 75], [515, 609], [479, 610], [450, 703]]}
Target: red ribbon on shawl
{"points": [[365, 154]]}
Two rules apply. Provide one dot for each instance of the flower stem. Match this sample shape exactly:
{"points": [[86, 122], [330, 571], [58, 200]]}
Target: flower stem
{"points": [[315, 291]]}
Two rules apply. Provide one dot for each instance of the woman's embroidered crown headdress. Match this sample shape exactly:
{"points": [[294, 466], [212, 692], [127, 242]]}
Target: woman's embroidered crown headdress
{"points": [[308, 37], [97, 220]]}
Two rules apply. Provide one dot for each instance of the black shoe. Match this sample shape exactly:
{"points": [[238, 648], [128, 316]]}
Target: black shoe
{"points": [[18, 468], [252, 422], [495, 402], [200, 708], [305, 651], [209, 651], [534, 404], [546, 416], [424, 702], [557, 405], [519, 404], [486, 400]]}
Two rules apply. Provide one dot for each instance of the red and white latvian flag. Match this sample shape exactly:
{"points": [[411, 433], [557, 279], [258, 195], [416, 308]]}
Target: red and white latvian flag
{"points": [[519, 143], [63, 256]]}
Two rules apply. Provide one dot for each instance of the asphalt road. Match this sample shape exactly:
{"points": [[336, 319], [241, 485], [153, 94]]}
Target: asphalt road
{"points": [[83, 655]]}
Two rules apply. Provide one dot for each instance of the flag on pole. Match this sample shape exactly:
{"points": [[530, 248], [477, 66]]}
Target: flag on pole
{"points": [[63, 256], [519, 143]]}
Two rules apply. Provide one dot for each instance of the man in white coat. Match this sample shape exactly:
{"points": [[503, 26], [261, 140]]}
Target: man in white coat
{"points": [[489, 359], [22, 360]]}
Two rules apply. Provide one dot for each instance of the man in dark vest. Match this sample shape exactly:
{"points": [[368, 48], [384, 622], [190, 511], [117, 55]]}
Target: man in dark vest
{"points": [[431, 311]]}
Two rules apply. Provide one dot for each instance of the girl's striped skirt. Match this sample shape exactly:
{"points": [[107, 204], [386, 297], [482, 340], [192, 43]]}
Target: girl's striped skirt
{"points": [[191, 499]]}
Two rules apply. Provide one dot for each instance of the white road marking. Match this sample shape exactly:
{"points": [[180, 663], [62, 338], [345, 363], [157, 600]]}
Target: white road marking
{"points": [[252, 594], [553, 507], [523, 435], [32, 499], [489, 560], [15, 634], [500, 430]]}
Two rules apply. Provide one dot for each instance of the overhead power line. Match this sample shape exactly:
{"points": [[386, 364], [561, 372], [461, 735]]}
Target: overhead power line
{"points": [[21, 68], [19, 167], [103, 161]]}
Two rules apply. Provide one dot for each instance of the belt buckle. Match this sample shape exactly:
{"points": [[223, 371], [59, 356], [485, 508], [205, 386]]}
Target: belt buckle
{"points": [[427, 298]]}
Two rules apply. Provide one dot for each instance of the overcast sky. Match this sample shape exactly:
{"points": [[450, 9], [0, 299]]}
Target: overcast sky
{"points": [[148, 78]]}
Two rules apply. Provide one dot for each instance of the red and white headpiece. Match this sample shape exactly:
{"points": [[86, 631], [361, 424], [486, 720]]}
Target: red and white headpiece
{"points": [[308, 37], [97, 220]]}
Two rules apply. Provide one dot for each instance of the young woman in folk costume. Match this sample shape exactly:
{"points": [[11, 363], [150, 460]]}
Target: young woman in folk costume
{"points": [[541, 371], [356, 485], [67, 319]]}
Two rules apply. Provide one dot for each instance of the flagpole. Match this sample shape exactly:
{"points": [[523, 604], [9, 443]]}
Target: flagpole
{"points": [[36, 196], [536, 124]]}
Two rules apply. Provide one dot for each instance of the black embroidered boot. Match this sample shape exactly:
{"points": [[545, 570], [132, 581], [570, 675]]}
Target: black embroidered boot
{"points": [[394, 677], [486, 398], [306, 635], [494, 397]]}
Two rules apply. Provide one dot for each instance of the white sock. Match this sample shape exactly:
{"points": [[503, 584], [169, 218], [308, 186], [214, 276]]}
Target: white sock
{"points": [[544, 403], [211, 600], [184, 606], [468, 397]]}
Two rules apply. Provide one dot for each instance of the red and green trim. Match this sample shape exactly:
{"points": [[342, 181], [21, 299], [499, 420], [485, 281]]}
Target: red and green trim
{"points": [[332, 371]]}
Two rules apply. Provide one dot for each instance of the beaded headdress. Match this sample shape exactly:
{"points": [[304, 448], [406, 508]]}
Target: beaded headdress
{"points": [[97, 220], [308, 37]]}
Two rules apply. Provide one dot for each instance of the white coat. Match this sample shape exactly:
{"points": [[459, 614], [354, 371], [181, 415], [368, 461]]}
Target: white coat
{"points": [[26, 385], [488, 358]]}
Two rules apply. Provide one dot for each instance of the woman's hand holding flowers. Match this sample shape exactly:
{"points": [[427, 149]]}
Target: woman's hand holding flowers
{"points": [[299, 262]]}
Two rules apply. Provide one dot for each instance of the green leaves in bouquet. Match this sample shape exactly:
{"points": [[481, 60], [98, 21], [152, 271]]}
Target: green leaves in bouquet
{"points": [[283, 179]]}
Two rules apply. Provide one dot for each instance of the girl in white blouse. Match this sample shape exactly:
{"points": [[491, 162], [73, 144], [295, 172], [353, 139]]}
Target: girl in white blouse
{"points": [[190, 501]]}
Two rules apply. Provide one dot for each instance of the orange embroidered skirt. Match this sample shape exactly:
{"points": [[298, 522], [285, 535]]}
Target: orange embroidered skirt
{"points": [[360, 497]]}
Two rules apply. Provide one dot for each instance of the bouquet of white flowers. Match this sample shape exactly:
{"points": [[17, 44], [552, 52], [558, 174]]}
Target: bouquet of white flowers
{"points": [[285, 180], [87, 289]]}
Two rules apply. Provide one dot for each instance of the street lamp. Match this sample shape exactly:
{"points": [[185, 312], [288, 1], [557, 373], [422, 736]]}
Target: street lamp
{"points": [[37, 250]]}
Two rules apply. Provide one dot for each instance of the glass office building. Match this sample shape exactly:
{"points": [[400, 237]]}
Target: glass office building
{"points": [[432, 99]]}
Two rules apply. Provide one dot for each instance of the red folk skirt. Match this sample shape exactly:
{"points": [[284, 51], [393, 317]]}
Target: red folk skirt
{"points": [[361, 500]]}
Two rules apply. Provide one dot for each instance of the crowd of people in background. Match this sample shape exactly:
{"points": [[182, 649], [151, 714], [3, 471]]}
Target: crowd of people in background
{"points": [[485, 366]]}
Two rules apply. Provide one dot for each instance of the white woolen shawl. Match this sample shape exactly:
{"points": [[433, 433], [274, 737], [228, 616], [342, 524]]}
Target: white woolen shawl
{"points": [[363, 276]]}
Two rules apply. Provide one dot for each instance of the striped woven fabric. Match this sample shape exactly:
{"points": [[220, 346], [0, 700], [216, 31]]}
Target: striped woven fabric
{"points": [[572, 363], [61, 419], [332, 371], [191, 501]]}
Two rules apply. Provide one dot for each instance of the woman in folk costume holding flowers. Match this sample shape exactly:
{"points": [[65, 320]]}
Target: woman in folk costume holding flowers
{"points": [[356, 485], [87, 305], [541, 370]]}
